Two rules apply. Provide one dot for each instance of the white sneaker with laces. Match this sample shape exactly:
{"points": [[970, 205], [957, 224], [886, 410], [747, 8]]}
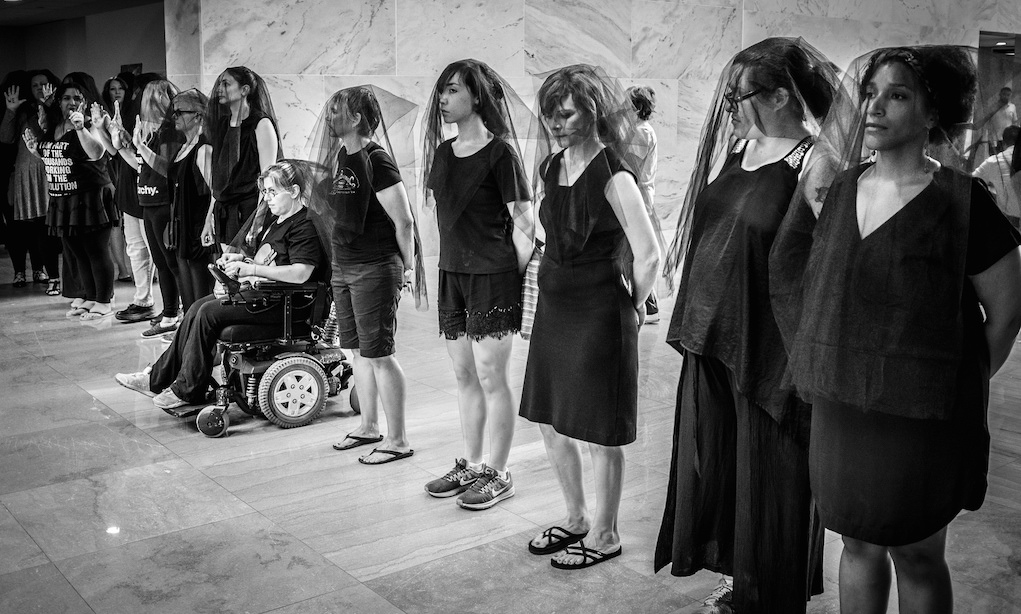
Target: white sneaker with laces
{"points": [[720, 600], [139, 382], [168, 400]]}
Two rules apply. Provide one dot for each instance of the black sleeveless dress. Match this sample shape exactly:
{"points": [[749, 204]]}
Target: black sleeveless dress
{"points": [[582, 371], [188, 210], [235, 178]]}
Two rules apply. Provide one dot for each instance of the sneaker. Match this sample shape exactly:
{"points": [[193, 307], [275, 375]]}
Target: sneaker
{"points": [[40, 277], [19, 280], [487, 491], [168, 400], [720, 601], [651, 318], [139, 382], [158, 329], [135, 313], [455, 482]]}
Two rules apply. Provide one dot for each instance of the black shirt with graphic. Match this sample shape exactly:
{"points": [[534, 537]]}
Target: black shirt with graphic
{"points": [[68, 168], [363, 232]]}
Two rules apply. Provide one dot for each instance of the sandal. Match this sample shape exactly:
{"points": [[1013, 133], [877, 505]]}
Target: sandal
{"points": [[40, 277], [555, 542], [53, 288], [589, 557], [19, 280], [95, 313], [358, 441]]}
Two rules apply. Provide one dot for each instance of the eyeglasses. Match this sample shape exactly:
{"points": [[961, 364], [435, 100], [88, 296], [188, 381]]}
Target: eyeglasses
{"points": [[178, 113], [269, 193], [733, 99]]}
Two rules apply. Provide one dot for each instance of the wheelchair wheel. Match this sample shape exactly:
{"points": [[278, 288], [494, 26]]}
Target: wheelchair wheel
{"points": [[213, 421], [356, 405], [293, 391]]}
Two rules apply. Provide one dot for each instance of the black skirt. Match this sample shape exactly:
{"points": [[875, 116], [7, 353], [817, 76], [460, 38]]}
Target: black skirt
{"points": [[82, 213], [582, 371]]}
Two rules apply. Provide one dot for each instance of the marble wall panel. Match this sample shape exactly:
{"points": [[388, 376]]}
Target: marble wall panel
{"points": [[683, 40], [185, 82], [298, 100], [921, 12], [434, 33], [300, 37], [560, 33], [182, 23], [991, 15], [693, 99], [817, 8], [664, 122]]}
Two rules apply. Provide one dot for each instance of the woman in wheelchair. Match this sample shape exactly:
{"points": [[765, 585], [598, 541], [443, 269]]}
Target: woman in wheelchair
{"points": [[289, 249]]}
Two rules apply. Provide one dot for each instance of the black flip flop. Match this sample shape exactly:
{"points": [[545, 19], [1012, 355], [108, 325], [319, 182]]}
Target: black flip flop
{"points": [[359, 441], [589, 556], [556, 542], [394, 456]]}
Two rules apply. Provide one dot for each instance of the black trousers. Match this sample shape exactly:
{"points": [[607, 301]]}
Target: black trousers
{"points": [[156, 219], [738, 500], [91, 257], [31, 238], [186, 366], [194, 280]]}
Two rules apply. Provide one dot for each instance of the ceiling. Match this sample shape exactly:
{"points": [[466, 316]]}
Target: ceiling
{"points": [[32, 12]]}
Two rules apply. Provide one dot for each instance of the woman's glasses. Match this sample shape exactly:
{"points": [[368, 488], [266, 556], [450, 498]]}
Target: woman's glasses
{"points": [[732, 98], [178, 113]]}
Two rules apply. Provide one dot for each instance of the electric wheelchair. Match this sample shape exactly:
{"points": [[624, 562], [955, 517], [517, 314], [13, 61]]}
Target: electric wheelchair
{"points": [[282, 372]]}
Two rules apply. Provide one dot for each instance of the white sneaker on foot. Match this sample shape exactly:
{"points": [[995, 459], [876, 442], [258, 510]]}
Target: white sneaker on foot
{"points": [[139, 382], [168, 400]]}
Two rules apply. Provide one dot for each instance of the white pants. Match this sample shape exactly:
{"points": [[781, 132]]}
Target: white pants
{"points": [[142, 269]]}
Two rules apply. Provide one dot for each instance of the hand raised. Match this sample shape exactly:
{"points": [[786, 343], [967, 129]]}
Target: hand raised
{"points": [[13, 98], [98, 115], [48, 90], [136, 135], [77, 117], [30, 140]]}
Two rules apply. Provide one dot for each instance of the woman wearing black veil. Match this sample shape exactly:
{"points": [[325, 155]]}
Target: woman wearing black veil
{"points": [[897, 307], [374, 254], [242, 130], [738, 501], [484, 214]]}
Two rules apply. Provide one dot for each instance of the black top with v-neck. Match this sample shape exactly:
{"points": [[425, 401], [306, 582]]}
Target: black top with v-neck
{"points": [[891, 322], [723, 308]]}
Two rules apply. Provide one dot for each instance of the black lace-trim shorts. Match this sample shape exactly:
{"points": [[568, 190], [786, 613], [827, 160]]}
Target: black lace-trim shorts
{"points": [[479, 305]]}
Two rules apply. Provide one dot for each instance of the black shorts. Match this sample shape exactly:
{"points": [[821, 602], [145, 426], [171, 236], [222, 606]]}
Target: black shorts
{"points": [[366, 296], [479, 305]]}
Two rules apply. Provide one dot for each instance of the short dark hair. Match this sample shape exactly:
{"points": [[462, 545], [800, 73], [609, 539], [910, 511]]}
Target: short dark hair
{"points": [[782, 62], [360, 100], [1010, 135], [644, 100]]}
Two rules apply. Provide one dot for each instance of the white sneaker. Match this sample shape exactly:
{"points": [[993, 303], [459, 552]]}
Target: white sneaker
{"points": [[139, 382], [168, 400], [720, 601]]}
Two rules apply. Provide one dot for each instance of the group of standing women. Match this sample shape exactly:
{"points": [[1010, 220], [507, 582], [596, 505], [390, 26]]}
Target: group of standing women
{"points": [[846, 293]]}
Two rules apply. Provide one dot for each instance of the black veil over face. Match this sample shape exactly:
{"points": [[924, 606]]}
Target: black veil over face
{"points": [[954, 94], [718, 136], [226, 143], [394, 132]]}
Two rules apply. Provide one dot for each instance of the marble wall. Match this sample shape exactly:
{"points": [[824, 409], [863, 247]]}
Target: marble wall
{"points": [[307, 49]]}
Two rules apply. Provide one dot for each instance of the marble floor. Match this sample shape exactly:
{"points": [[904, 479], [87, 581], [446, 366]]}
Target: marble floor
{"points": [[108, 505]]}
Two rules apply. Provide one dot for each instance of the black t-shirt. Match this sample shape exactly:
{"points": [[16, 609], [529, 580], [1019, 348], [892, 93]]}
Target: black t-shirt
{"points": [[990, 234], [292, 241], [153, 188], [68, 168], [364, 233], [471, 206]]}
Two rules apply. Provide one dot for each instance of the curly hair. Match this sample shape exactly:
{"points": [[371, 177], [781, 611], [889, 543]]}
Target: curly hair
{"points": [[948, 79]]}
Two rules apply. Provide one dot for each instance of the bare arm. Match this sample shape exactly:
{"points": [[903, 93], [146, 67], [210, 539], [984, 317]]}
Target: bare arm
{"points": [[627, 204], [395, 202], [999, 290], [266, 141], [289, 273], [523, 235], [204, 160]]}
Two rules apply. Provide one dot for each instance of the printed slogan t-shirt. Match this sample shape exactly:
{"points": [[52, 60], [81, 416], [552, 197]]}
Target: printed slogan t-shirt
{"points": [[68, 168]]}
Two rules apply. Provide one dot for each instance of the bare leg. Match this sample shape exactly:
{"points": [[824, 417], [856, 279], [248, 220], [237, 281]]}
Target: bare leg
{"points": [[565, 457], [390, 383], [864, 578], [471, 401], [923, 578], [608, 465], [491, 358], [365, 382]]}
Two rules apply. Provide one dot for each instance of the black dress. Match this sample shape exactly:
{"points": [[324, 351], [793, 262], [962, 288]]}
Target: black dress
{"points": [[582, 371], [738, 500], [236, 168], [900, 465]]}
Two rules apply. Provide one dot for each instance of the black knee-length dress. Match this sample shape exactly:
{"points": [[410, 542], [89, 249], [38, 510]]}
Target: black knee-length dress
{"points": [[582, 371]]}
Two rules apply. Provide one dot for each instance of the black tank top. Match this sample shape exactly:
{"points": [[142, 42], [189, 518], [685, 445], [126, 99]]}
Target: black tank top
{"points": [[191, 201], [237, 183]]}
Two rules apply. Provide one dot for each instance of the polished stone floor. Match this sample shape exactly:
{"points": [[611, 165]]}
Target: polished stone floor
{"points": [[108, 505]]}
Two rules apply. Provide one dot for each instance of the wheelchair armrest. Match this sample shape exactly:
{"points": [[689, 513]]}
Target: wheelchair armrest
{"points": [[231, 285], [269, 285]]}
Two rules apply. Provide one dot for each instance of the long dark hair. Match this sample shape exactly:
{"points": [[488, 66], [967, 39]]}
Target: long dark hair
{"points": [[217, 116], [783, 63]]}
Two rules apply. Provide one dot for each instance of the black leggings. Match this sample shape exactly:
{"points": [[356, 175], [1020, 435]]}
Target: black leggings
{"points": [[91, 255], [156, 220], [31, 237], [194, 279]]}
